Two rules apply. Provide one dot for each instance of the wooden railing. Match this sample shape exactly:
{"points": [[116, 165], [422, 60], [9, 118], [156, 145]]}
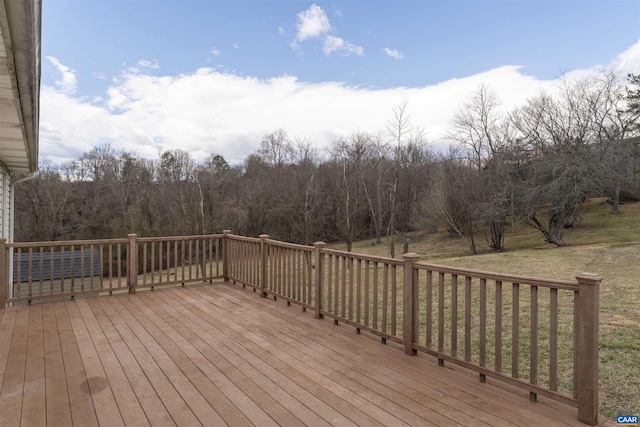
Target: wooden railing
{"points": [[165, 261], [540, 335], [67, 269], [537, 334]]}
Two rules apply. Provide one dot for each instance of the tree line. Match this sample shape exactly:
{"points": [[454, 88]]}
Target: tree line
{"points": [[537, 163]]}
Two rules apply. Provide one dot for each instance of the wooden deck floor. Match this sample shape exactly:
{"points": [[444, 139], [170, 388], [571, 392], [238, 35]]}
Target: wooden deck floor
{"points": [[219, 354]]}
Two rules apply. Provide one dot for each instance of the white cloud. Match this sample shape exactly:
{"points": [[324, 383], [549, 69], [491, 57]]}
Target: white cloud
{"points": [[393, 53], [336, 44], [67, 83], [215, 52], [281, 31], [149, 64], [236, 46], [312, 23], [217, 112]]}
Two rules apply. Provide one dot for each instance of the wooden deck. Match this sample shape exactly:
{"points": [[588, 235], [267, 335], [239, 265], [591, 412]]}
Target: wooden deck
{"points": [[219, 354]]}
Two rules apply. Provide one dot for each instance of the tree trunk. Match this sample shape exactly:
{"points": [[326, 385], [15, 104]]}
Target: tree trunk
{"points": [[497, 235], [470, 237], [615, 201], [554, 234]]}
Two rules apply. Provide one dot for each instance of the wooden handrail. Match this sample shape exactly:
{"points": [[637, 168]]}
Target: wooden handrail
{"points": [[65, 243], [488, 275]]}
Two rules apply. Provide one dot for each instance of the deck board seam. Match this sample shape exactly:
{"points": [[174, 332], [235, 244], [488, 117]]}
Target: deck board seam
{"points": [[81, 333], [133, 344], [310, 381], [543, 410], [210, 349], [357, 383], [294, 362], [161, 360], [143, 387], [228, 381], [237, 348]]}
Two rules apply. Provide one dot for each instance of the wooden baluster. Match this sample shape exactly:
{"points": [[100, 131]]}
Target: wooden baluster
{"points": [[330, 282], [483, 327], [533, 351], [454, 315], [41, 267], [385, 296], [359, 290], [498, 328], [367, 284], [467, 318], [429, 313], [515, 330], [553, 339], [30, 274], [394, 299], [350, 288], [374, 305], [440, 316], [319, 278], [344, 287]]}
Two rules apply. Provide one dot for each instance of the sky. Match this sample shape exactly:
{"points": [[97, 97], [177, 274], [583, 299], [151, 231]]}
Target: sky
{"points": [[214, 76]]}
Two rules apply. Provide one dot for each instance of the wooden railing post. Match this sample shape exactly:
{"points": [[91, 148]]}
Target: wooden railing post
{"points": [[132, 263], [410, 303], [225, 254], [4, 272], [263, 265], [319, 276], [588, 321]]}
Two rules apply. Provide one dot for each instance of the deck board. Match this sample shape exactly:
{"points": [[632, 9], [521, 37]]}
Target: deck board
{"points": [[12, 389], [80, 403], [219, 354], [96, 383], [58, 408], [33, 397]]}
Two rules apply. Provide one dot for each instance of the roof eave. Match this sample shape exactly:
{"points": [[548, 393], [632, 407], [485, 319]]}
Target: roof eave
{"points": [[20, 22]]}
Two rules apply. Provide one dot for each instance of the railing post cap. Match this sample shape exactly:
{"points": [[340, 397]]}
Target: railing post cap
{"points": [[411, 256], [130, 235], [264, 236], [589, 279], [226, 231], [3, 240], [319, 244]]}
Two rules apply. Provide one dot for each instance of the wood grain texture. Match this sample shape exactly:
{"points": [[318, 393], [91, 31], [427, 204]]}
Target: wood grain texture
{"points": [[219, 354]]}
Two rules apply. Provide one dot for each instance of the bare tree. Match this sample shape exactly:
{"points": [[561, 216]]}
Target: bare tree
{"points": [[453, 197], [476, 124], [480, 130], [557, 133], [276, 149], [398, 128], [612, 126], [349, 158]]}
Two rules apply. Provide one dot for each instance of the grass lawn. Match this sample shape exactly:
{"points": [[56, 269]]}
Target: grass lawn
{"points": [[605, 244]]}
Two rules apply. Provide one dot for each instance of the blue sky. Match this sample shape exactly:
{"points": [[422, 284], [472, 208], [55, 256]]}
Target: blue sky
{"points": [[142, 74]]}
